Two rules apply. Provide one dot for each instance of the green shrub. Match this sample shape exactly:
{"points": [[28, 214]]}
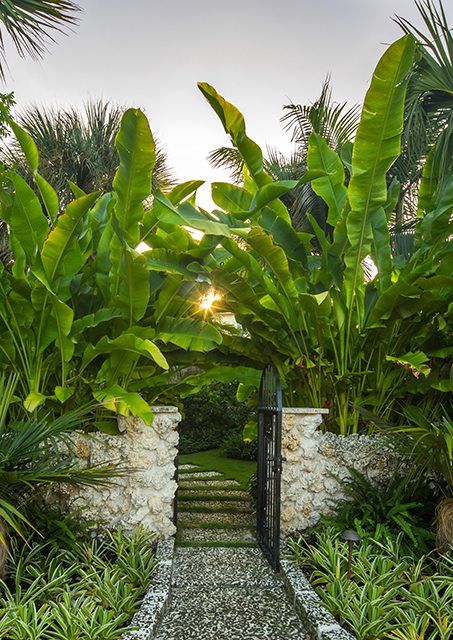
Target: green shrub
{"points": [[380, 511], [209, 416], [391, 595], [234, 446]]}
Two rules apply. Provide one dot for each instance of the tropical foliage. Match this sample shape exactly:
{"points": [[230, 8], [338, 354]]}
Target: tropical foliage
{"points": [[335, 122], [428, 114], [337, 338], [392, 594], [77, 147], [81, 310]]}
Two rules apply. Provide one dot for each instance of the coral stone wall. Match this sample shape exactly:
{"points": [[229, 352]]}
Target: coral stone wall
{"points": [[145, 495], [314, 461]]}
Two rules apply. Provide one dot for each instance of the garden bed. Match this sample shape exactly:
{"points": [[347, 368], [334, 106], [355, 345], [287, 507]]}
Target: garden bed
{"points": [[73, 588], [393, 593]]}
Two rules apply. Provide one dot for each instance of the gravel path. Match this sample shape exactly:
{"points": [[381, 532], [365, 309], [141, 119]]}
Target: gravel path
{"points": [[223, 588], [228, 594]]}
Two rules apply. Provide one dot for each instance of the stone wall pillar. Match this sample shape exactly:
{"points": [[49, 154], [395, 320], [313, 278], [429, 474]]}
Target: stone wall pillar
{"points": [[316, 462], [145, 495], [302, 476]]}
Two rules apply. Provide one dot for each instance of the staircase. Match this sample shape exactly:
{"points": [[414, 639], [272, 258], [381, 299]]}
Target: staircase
{"points": [[213, 511]]}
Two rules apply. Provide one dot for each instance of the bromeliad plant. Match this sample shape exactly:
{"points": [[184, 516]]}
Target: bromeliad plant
{"points": [[339, 339], [82, 311]]}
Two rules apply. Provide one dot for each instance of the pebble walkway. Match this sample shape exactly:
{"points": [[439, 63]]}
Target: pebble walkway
{"points": [[223, 588]]}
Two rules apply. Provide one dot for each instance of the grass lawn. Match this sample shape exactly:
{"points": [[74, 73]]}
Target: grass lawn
{"points": [[213, 460]]}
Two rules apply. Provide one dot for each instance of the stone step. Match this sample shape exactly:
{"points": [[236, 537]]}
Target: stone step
{"points": [[221, 567], [225, 506], [219, 545], [213, 494], [187, 474], [187, 467], [207, 482], [208, 485], [201, 534], [226, 613], [239, 519]]}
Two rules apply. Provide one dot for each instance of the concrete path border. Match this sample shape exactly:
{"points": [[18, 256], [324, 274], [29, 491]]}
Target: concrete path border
{"points": [[156, 599]]}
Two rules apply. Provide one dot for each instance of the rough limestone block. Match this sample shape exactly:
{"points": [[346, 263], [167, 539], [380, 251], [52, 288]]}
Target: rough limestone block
{"points": [[314, 462], [145, 495]]}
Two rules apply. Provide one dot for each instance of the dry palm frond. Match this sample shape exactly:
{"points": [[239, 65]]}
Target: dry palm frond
{"points": [[444, 524]]}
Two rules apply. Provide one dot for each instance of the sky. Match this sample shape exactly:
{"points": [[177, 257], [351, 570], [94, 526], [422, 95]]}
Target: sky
{"points": [[259, 54]]}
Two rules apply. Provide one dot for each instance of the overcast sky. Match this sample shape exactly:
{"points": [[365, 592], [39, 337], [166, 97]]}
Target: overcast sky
{"points": [[260, 54]]}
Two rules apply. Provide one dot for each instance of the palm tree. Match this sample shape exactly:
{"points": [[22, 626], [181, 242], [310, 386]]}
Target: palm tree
{"points": [[429, 107], [30, 23], [77, 147]]}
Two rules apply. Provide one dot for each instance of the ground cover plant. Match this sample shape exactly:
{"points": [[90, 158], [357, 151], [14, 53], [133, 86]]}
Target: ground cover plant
{"points": [[75, 587], [392, 594]]}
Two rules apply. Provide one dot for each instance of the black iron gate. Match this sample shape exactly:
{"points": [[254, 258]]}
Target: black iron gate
{"points": [[269, 465]]}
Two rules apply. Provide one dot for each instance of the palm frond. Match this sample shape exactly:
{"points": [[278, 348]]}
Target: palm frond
{"points": [[337, 123], [230, 159], [429, 103], [30, 24]]}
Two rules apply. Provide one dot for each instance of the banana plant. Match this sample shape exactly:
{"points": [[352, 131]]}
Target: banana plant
{"points": [[82, 311], [338, 338]]}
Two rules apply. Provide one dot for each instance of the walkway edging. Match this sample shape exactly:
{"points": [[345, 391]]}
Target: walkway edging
{"points": [[320, 623], [157, 597]]}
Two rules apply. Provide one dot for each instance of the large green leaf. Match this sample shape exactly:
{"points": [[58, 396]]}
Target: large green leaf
{"points": [[190, 334], [125, 403], [377, 145], [30, 150], [132, 182], [28, 224], [230, 197], [184, 190], [27, 144], [187, 215], [61, 254], [234, 124], [93, 320], [133, 295], [126, 343], [330, 188]]}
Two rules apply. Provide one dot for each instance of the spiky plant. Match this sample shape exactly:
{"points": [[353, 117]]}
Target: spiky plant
{"points": [[30, 24], [31, 459]]}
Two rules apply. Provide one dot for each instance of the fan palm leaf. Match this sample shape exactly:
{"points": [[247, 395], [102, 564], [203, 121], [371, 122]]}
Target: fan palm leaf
{"points": [[336, 123], [77, 147]]}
